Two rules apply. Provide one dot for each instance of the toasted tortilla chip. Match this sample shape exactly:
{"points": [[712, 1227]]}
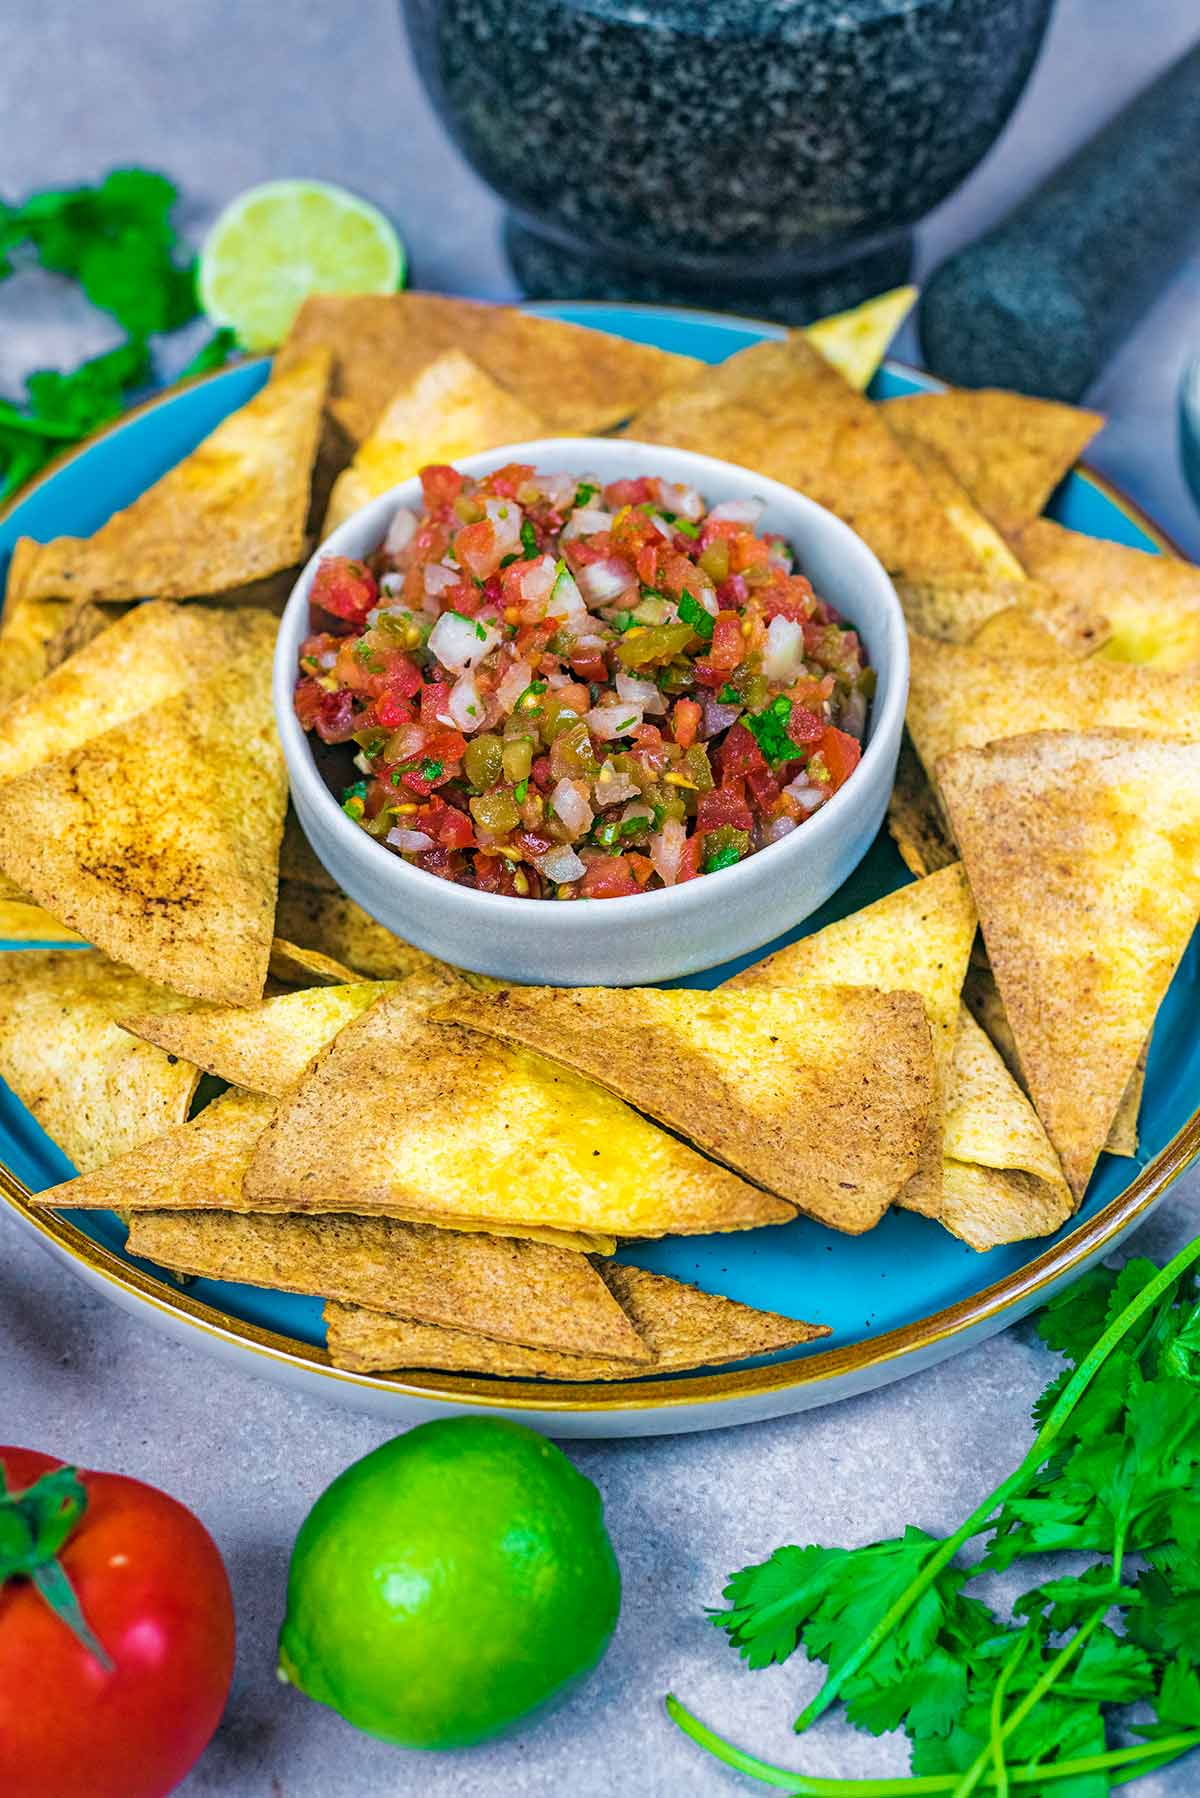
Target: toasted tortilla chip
{"points": [[1002, 1181], [917, 939], [1083, 853], [1063, 630], [1152, 601], [575, 379], [29, 630], [402, 1113], [94, 1089], [159, 840], [518, 1292], [298, 859], [682, 1326], [1004, 617], [154, 652], [856, 342], [449, 410], [960, 698], [953, 607], [334, 925], [266, 1047], [232, 512], [22, 922], [988, 549], [293, 966], [1008, 451], [825, 1101], [779, 408], [914, 817]]}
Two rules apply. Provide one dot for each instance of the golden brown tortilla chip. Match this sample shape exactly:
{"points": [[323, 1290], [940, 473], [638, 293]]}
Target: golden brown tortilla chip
{"points": [[298, 860], [960, 698], [266, 1047], [84, 622], [94, 1089], [1152, 601], [402, 1113], [449, 410], [518, 1292], [1008, 451], [914, 817], [780, 409], [577, 380], [824, 1102], [856, 342], [233, 511], [1004, 617], [22, 922], [918, 940], [682, 1326], [1083, 853], [334, 925], [29, 629], [1064, 630], [988, 549], [293, 966], [159, 839]]}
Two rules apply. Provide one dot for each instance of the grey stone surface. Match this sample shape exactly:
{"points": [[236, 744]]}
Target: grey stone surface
{"points": [[224, 94]]}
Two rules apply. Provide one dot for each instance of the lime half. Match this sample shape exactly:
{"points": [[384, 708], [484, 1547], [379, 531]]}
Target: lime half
{"points": [[276, 244]]}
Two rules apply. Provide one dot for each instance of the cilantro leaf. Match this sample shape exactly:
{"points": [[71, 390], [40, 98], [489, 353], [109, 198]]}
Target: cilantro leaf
{"points": [[769, 729], [693, 613]]}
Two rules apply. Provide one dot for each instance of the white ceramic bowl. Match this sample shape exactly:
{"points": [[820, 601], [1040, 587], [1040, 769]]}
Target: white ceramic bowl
{"points": [[648, 936]]}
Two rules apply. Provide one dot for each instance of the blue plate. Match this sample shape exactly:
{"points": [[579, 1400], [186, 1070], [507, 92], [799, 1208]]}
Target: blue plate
{"points": [[896, 1298]]}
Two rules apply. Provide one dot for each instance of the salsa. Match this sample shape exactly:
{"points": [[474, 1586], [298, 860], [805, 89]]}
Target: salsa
{"points": [[559, 689]]}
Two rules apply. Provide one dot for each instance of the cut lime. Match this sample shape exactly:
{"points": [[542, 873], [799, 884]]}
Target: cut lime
{"points": [[276, 244]]}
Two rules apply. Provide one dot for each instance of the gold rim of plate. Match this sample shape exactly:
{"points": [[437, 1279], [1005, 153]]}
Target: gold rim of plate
{"points": [[649, 1393]]}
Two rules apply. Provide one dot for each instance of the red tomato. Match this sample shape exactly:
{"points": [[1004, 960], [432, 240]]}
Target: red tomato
{"points": [[689, 860], [724, 805], [841, 754], [728, 645], [153, 1591], [740, 753], [344, 588], [685, 722], [608, 877], [440, 484]]}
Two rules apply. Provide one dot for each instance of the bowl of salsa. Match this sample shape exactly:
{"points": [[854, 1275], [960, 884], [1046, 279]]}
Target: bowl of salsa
{"points": [[591, 711]]}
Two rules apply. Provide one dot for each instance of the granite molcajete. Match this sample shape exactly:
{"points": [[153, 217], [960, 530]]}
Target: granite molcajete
{"points": [[771, 154]]}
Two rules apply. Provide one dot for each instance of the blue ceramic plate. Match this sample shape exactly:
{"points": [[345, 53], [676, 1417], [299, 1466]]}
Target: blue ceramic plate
{"points": [[896, 1299]]}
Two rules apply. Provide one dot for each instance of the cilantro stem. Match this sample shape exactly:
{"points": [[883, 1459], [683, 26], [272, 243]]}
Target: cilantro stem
{"points": [[1070, 1396], [1127, 1763]]}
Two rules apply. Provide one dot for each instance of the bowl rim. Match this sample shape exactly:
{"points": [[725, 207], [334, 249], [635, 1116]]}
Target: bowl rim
{"points": [[820, 830]]}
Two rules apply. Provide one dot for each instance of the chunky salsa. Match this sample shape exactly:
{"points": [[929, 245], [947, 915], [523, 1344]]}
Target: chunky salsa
{"points": [[560, 689]]}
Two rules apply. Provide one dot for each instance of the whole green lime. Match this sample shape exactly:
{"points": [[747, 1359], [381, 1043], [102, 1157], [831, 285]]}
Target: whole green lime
{"points": [[449, 1583]]}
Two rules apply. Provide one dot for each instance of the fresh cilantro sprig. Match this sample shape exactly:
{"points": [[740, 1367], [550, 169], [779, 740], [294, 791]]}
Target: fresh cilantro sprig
{"points": [[1033, 1703]]}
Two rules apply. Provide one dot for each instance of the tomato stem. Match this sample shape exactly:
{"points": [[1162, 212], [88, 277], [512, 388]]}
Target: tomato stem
{"points": [[34, 1525]]}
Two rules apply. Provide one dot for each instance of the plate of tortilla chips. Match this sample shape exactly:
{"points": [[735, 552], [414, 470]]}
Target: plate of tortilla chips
{"points": [[236, 1103]]}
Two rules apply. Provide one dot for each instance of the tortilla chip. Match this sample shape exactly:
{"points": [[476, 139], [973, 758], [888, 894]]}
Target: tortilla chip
{"points": [[402, 1113], [94, 1089], [1002, 1181], [988, 549], [1152, 601], [824, 1101], [960, 698], [1060, 631], [917, 939], [154, 652], [449, 410], [992, 614], [334, 925], [298, 859], [856, 342], [518, 1292], [914, 817], [233, 511], [159, 839], [293, 966], [1083, 853], [682, 1326], [1008, 451], [780, 409], [28, 630], [264, 1048], [575, 379], [22, 922]]}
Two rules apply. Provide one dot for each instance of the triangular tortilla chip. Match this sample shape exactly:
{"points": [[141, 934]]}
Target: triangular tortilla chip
{"points": [[202, 1166], [682, 1326], [28, 630], [264, 1048], [1061, 631], [856, 342], [85, 621], [823, 1099], [450, 410], [152, 653], [94, 1089], [988, 613], [22, 922], [159, 840], [988, 549], [298, 860], [959, 698], [1008, 451], [232, 512], [334, 925], [519, 1292], [917, 939], [1151, 601], [402, 1113], [914, 817], [575, 379], [1083, 853], [291, 965], [780, 409], [1002, 1181]]}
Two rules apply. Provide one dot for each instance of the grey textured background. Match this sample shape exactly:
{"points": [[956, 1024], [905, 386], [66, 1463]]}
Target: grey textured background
{"points": [[222, 94]]}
